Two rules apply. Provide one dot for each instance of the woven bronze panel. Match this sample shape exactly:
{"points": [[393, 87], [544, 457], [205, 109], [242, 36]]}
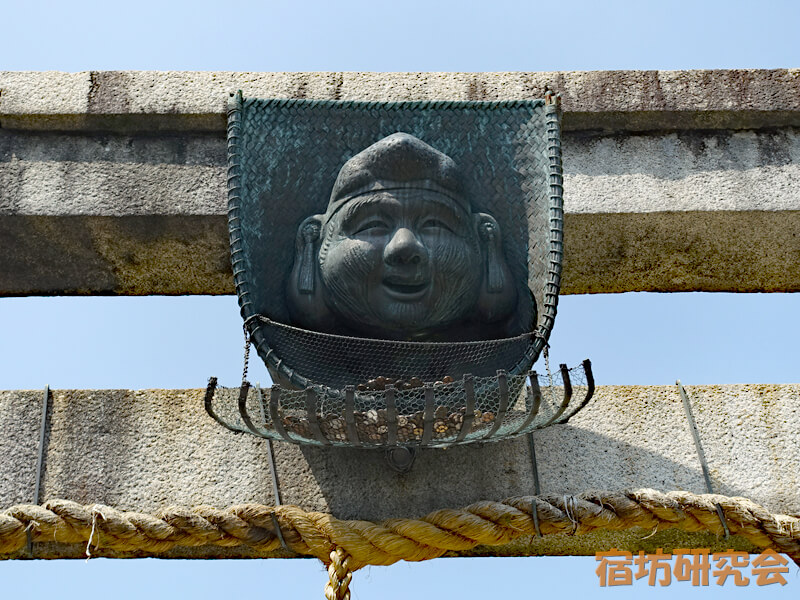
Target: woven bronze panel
{"points": [[284, 157]]}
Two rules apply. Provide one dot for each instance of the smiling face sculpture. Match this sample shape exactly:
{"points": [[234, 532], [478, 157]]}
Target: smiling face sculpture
{"points": [[399, 253]]}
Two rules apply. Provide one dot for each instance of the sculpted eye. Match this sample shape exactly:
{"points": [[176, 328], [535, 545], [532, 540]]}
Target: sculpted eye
{"points": [[435, 224], [372, 226]]}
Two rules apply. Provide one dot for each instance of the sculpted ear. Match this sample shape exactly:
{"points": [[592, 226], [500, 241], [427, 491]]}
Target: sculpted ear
{"points": [[304, 293], [306, 253], [497, 298]]}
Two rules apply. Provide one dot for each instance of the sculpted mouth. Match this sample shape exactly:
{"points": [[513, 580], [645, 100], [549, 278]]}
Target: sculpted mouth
{"points": [[404, 290]]}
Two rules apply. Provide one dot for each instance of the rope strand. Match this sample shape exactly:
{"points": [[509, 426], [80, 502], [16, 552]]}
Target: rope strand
{"points": [[360, 543], [339, 576]]}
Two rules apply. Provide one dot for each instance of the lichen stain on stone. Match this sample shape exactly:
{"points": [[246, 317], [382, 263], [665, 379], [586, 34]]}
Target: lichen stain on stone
{"points": [[476, 89], [151, 256], [775, 432], [632, 540]]}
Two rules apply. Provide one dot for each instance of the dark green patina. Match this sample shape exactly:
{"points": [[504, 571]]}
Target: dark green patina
{"points": [[284, 157]]}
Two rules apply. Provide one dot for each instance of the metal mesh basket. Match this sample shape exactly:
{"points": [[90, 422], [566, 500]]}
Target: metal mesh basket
{"points": [[405, 413], [337, 361]]}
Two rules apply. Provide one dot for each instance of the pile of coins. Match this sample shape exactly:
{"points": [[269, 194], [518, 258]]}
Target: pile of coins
{"points": [[372, 425], [370, 416], [380, 383]]}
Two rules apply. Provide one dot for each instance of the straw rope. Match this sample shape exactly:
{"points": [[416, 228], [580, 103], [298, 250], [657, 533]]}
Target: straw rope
{"points": [[340, 574], [366, 543]]}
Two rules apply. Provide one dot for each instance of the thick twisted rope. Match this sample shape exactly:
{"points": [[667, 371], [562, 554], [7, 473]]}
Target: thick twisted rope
{"points": [[340, 574], [350, 545]]}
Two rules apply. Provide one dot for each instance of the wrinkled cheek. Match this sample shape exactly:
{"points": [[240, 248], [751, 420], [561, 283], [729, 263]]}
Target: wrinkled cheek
{"points": [[453, 258], [457, 274], [349, 259], [346, 272]]}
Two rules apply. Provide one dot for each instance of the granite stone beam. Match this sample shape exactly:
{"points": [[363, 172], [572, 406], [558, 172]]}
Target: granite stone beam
{"points": [[146, 450], [114, 182], [610, 101]]}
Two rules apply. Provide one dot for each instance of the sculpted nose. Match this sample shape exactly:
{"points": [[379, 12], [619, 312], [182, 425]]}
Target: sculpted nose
{"points": [[405, 249]]}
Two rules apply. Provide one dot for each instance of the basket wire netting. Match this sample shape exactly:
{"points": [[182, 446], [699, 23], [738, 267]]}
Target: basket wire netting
{"points": [[338, 361], [407, 413]]}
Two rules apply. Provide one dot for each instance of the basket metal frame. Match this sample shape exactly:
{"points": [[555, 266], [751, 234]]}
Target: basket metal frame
{"points": [[272, 407]]}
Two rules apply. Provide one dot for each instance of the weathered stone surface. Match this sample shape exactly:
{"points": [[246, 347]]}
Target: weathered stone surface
{"points": [[145, 450], [730, 251], [122, 175], [593, 100], [733, 251], [105, 255]]}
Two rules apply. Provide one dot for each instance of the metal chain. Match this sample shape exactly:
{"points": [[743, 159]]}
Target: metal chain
{"points": [[246, 353], [546, 353]]}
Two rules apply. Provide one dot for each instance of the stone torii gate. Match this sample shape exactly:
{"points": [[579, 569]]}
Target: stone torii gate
{"points": [[114, 183]]}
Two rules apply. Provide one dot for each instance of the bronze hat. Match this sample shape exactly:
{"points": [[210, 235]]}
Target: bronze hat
{"points": [[398, 161]]}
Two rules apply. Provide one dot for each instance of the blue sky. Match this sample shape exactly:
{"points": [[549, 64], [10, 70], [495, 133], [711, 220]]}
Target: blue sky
{"points": [[415, 35], [631, 338]]}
